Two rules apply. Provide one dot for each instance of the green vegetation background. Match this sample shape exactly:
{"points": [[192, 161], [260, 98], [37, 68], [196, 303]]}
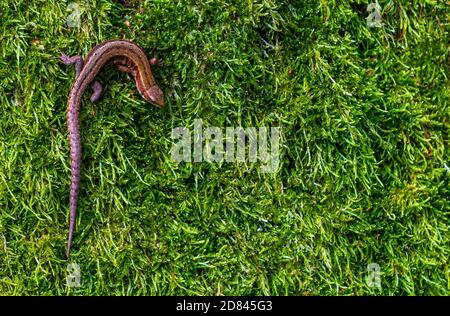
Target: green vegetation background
{"points": [[364, 174]]}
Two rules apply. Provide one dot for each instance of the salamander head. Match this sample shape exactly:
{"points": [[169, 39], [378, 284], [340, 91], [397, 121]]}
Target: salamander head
{"points": [[155, 96]]}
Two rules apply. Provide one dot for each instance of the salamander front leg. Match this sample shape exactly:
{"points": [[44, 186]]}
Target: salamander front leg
{"points": [[155, 62], [124, 65]]}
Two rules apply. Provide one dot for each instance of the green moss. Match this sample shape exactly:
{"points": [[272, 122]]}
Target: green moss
{"points": [[365, 164]]}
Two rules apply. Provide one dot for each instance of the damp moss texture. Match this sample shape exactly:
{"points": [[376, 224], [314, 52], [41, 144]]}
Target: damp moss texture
{"points": [[361, 94]]}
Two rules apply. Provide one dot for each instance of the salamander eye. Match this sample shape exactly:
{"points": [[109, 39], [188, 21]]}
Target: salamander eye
{"points": [[155, 96]]}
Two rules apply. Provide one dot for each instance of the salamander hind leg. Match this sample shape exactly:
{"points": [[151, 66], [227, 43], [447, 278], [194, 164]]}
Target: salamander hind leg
{"points": [[97, 91], [77, 60]]}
